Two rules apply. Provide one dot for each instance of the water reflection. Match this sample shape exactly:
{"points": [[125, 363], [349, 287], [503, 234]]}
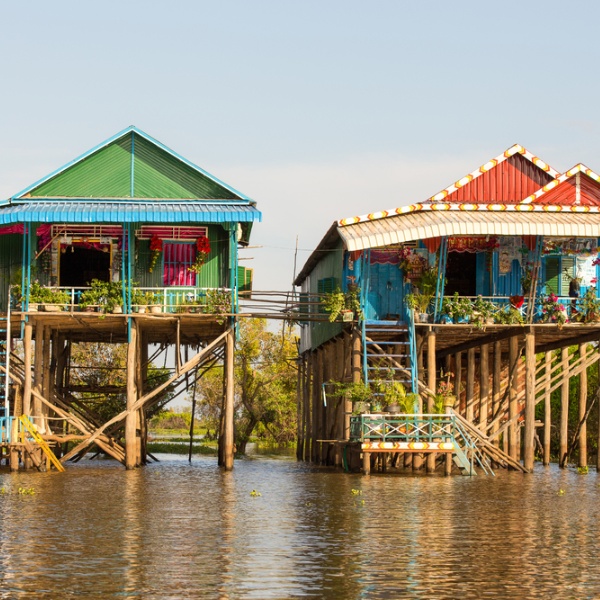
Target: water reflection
{"points": [[174, 530]]}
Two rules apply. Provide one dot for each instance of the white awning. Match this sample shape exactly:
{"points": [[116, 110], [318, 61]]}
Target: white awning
{"points": [[430, 224]]}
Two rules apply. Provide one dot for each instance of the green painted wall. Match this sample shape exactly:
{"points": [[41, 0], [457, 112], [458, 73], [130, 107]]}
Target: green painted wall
{"points": [[10, 264], [331, 265]]}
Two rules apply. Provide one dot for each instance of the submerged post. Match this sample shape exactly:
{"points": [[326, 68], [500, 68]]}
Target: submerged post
{"points": [[229, 406], [131, 447], [528, 455]]}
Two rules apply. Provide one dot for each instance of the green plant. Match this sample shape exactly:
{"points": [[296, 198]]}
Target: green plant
{"points": [[589, 306], [218, 302], [483, 311], [418, 301], [337, 301], [105, 295], [457, 307], [354, 391], [509, 315], [553, 311]]}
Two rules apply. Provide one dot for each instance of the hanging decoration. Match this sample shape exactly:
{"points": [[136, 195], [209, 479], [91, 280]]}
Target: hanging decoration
{"points": [[472, 243], [202, 252], [571, 246], [156, 247]]}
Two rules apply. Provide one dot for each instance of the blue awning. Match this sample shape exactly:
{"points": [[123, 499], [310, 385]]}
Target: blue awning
{"points": [[85, 211]]}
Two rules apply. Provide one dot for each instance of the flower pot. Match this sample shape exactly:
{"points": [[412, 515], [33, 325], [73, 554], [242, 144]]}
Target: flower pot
{"points": [[361, 407], [52, 307], [33, 307], [347, 316], [424, 317], [156, 310], [393, 408], [117, 310], [449, 401], [141, 309]]}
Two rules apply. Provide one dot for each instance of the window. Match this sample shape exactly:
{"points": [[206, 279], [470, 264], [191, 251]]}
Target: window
{"points": [[178, 257]]}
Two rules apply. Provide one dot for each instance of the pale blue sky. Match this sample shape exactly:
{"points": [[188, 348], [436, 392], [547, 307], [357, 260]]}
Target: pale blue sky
{"points": [[317, 110]]}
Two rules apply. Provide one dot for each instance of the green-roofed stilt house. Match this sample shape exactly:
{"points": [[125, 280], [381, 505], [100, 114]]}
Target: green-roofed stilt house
{"points": [[128, 243]]}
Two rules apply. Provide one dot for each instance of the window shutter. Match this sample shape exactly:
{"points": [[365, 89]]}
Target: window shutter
{"points": [[567, 273], [552, 280]]}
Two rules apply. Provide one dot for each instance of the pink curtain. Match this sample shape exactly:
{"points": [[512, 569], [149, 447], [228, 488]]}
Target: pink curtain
{"points": [[177, 259]]}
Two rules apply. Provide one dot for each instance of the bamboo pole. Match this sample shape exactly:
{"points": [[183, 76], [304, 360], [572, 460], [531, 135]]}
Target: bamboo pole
{"points": [[131, 461], [38, 375], [308, 450], [27, 341], [484, 383], [431, 382], [229, 401], [470, 409], [458, 381], [496, 385], [583, 392], [513, 351], [547, 409], [564, 406], [529, 448], [299, 409]]}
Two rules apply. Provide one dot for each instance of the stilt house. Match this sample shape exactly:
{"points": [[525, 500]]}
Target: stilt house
{"points": [[129, 243], [454, 305]]}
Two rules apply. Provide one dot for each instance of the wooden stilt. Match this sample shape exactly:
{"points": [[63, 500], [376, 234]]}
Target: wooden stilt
{"points": [[38, 375], [300, 409], [229, 401], [564, 406], [27, 382], [547, 408], [470, 410], [366, 463], [529, 441], [458, 379], [484, 384], [583, 392], [431, 383], [496, 387], [513, 350], [131, 449]]}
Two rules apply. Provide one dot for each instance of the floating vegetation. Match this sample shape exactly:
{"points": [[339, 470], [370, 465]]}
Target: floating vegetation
{"points": [[583, 470], [255, 494], [356, 492], [560, 493], [26, 491]]}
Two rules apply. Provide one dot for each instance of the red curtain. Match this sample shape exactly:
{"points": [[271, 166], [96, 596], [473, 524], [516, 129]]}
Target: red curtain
{"points": [[177, 259]]}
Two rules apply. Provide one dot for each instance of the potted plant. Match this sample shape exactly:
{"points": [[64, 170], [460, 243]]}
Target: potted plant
{"points": [[553, 311], [589, 306], [359, 393], [457, 308], [49, 299], [420, 303], [394, 396], [483, 312], [508, 315]]}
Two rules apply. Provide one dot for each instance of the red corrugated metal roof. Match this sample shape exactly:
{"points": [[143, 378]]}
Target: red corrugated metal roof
{"points": [[506, 179], [579, 186]]}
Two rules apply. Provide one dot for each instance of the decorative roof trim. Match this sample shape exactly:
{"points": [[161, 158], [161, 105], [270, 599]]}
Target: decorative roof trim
{"points": [[579, 168], [440, 196], [446, 206], [134, 130]]}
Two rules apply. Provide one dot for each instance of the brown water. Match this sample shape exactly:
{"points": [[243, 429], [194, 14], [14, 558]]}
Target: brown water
{"points": [[171, 530]]}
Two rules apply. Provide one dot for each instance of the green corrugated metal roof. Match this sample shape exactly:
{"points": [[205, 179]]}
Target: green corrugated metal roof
{"points": [[131, 162]]}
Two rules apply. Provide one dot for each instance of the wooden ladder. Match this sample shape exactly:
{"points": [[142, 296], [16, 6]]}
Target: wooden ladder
{"points": [[30, 427]]}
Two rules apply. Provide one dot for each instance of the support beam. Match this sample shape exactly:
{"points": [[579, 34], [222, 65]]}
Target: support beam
{"points": [[431, 383], [131, 446], [564, 407], [513, 357], [27, 354], [229, 401], [547, 409], [529, 441], [470, 410], [484, 384], [583, 392]]}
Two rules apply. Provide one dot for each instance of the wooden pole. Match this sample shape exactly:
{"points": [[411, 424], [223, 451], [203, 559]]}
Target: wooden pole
{"points": [[38, 375], [300, 409], [131, 448], [529, 448], [484, 384], [547, 408], [496, 387], [431, 383], [458, 383], [229, 401], [470, 412], [308, 443], [27, 342], [583, 392], [513, 350], [564, 406]]}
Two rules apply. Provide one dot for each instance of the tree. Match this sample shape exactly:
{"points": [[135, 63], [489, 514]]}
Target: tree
{"points": [[265, 386]]}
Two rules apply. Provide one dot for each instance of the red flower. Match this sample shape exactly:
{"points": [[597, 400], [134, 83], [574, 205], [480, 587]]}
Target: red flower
{"points": [[517, 301], [203, 244], [156, 244]]}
